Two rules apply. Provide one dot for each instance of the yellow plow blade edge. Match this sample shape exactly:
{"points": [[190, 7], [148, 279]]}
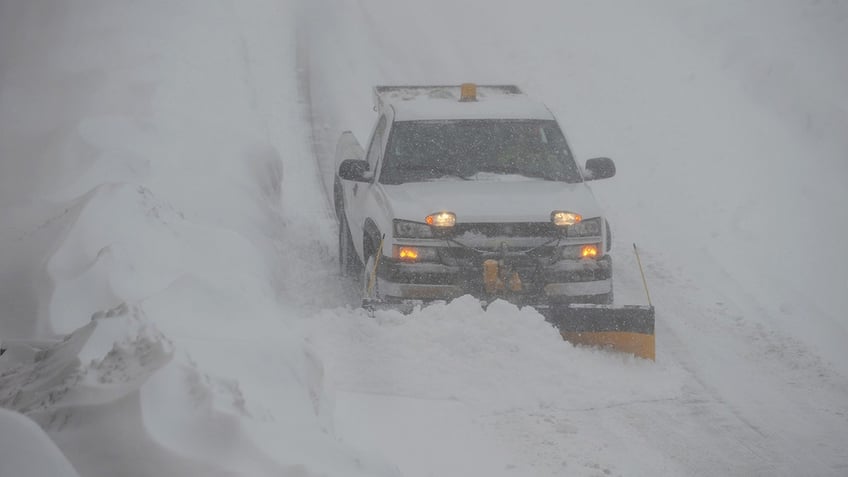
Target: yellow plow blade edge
{"points": [[628, 329]]}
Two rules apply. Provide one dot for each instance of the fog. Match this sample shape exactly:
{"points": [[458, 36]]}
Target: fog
{"points": [[166, 231]]}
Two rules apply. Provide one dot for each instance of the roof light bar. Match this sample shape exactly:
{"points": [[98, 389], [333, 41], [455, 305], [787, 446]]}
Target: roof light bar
{"points": [[467, 92]]}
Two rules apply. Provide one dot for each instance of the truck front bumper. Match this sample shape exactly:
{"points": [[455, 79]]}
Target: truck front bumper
{"points": [[565, 281]]}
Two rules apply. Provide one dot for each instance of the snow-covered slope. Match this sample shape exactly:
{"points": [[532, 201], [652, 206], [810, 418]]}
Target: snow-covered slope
{"points": [[154, 161], [168, 286], [26, 451]]}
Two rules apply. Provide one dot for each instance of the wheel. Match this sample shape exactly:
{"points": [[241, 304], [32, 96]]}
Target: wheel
{"points": [[348, 261]]}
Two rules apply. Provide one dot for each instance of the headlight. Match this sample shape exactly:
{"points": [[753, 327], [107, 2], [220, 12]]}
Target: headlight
{"points": [[407, 229], [585, 228], [561, 218], [441, 220]]}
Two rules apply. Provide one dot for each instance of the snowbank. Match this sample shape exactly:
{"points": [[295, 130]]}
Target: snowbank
{"points": [[26, 451], [143, 205]]}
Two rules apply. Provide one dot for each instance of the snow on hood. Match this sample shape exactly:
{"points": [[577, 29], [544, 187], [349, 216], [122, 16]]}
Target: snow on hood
{"points": [[527, 200]]}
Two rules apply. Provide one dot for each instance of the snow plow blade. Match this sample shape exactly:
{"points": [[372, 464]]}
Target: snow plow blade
{"points": [[628, 329]]}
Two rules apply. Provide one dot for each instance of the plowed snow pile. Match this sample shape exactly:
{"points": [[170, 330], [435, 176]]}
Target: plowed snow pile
{"points": [[169, 299]]}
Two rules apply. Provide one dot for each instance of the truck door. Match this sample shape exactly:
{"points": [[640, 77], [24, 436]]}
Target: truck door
{"points": [[361, 195]]}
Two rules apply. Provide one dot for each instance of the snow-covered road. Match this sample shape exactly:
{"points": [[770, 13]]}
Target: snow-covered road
{"points": [[705, 158], [164, 168]]}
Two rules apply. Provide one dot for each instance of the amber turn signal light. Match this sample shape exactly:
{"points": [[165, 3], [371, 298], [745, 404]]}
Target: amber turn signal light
{"points": [[589, 251], [409, 254], [467, 92]]}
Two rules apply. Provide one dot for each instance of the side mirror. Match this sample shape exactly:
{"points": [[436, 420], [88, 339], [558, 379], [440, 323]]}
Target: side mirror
{"points": [[599, 168], [354, 170]]}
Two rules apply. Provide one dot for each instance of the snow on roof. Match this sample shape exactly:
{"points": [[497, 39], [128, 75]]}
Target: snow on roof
{"points": [[416, 103]]}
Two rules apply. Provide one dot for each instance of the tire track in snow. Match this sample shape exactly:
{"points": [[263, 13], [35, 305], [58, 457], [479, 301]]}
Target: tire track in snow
{"points": [[727, 438], [749, 397], [319, 146]]}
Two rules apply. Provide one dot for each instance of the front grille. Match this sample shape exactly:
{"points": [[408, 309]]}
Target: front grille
{"points": [[468, 257], [517, 229]]}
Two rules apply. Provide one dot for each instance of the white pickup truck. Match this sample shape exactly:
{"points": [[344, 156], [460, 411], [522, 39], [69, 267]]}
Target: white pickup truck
{"points": [[470, 190]]}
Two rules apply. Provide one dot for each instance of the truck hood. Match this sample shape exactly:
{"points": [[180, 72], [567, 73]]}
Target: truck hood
{"points": [[490, 201]]}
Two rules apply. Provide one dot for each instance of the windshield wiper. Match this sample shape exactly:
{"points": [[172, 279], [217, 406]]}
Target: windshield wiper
{"points": [[437, 171]]}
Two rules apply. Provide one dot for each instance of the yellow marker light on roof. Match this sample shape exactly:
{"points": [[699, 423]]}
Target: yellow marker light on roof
{"points": [[589, 251], [562, 218], [468, 92], [441, 220]]}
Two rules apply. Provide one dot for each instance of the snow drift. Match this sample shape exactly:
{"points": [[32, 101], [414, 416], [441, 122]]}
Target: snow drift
{"points": [[143, 215]]}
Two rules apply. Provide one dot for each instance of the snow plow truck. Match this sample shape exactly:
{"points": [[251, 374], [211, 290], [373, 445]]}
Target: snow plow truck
{"points": [[473, 189]]}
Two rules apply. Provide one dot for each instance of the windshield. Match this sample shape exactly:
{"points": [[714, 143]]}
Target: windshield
{"points": [[467, 149]]}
